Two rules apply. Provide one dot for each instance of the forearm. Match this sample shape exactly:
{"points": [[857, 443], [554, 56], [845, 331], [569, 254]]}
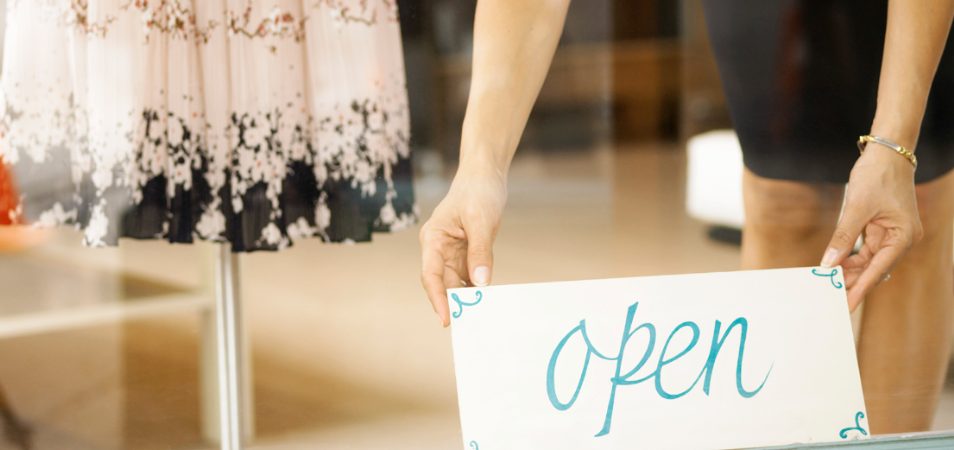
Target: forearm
{"points": [[914, 41], [514, 42]]}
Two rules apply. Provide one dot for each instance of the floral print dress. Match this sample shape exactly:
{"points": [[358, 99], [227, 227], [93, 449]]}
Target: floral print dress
{"points": [[254, 122]]}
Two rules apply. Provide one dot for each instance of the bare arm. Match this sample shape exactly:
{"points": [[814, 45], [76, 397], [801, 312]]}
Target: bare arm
{"points": [[880, 199], [914, 42], [514, 42]]}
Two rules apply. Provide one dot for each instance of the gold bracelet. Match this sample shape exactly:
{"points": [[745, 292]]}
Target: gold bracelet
{"points": [[864, 140]]}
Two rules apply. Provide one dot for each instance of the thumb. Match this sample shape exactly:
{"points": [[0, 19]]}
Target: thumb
{"points": [[844, 238], [480, 256]]}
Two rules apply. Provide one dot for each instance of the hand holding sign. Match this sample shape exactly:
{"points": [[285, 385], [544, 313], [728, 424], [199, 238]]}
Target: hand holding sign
{"points": [[457, 241], [696, 361]]}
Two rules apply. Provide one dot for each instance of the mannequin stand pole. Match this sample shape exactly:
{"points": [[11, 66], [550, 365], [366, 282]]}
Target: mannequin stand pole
{"points": [[228, 315]]}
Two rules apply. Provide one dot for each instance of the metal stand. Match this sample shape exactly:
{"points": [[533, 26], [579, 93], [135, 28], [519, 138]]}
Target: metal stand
{"points": [[230, 345]]}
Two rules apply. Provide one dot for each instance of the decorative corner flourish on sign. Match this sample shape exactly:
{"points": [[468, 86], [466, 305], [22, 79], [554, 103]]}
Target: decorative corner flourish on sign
{"points": [[460, 308], [858, 427], [831, 277], [473, 444]]}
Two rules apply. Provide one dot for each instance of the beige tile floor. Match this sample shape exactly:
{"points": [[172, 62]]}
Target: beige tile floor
{"points": [[347, 354]]}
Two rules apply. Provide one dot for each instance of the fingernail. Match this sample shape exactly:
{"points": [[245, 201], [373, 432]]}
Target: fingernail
{"points": [[481, 276], [830, 256], [440, 321]]}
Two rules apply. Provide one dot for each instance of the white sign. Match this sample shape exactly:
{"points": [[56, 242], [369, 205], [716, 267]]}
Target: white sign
{"points": [[719, 360]]}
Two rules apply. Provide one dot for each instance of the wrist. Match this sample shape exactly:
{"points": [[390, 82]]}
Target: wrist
{"points": [[887, 161], [484, 159], [482, 164], [865, 141], [897, 129], [485, 146]]}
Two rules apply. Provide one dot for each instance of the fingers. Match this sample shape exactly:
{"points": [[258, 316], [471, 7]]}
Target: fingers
{"points": [[844, 238], [432, 277], [853, 266], [880, 265], [452, 279], [480, 258]]}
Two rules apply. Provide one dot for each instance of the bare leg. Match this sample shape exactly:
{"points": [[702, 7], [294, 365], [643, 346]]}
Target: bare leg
{"points": [[787, 223], [906, 329], [16, 432]]}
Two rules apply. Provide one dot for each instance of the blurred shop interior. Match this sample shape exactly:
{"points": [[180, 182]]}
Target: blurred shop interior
{"points": [[110, 348]]}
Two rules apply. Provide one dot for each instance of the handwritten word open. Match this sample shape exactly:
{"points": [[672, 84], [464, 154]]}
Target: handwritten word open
{"points": [[665, 357]]}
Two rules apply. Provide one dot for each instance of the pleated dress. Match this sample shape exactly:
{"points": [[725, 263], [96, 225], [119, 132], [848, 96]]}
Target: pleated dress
{"points": [[253, 122]]}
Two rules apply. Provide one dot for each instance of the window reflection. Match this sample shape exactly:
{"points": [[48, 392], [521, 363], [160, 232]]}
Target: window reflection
{"points": [[631, 164]]}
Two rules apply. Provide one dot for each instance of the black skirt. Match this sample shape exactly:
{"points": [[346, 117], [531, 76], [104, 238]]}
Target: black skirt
{"points": [[801, 78]]}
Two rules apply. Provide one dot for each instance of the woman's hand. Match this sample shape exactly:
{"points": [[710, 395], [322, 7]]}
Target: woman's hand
{"points": [[880, 202], [457, 241], [513, 46]]}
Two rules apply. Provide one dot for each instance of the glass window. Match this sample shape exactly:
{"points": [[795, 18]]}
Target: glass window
{"points": [[216, 206]]}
